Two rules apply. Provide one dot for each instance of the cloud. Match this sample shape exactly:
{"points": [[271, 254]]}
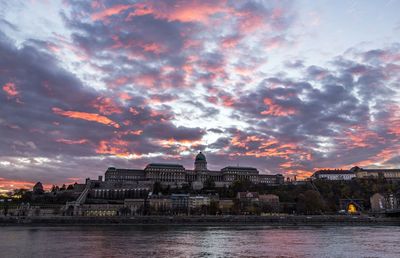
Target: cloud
{"points": [[125, 83], [86, 116]]}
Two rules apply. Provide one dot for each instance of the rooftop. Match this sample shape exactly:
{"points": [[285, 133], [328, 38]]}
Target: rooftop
{"points": [[334, 172], [165, 165], [238, 168]]}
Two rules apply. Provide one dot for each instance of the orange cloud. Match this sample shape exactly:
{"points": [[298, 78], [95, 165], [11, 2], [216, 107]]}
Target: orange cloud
{"points": [[134, 111], [381, 158], [194, 11], [7, 185], [178, 145], [86, 116], [116, 9], [227, 101], [276, 110], [231, 42], [250, 22], [106, 106], [146, 80], [67, 141], [115, 147], [136, 132], [155, 48], [125, 96], [360, 137]]}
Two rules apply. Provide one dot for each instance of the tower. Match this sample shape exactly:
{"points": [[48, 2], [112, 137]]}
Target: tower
{"points": [[200, 163]]}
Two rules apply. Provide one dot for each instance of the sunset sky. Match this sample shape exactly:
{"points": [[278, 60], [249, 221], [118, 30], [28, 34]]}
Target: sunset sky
{"points": [[284, 86]]}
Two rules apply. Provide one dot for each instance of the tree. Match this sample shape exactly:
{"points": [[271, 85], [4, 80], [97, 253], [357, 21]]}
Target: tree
{"points": [[214, 208], [157, 188], [241, 185], [209, 184], [5, 210], [310, 202]]}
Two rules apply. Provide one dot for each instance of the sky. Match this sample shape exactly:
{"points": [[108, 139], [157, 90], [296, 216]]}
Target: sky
{"points": [[284, 86]]}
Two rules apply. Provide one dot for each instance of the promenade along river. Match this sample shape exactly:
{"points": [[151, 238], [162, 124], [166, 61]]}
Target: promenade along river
{"points": [[199, 241]]}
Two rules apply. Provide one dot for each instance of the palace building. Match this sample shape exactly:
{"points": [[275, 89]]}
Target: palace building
{"points": [[176, 175]]}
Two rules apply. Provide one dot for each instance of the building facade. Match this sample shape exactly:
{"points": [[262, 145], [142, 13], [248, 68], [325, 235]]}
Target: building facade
{"points": [[381, 202], [176, 175], [391, 174]]}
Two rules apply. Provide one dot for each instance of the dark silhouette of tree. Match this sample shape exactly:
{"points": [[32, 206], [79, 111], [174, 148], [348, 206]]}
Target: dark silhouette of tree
{"points": [[241, 186], [310, 202], [157, 188], [209, 184]]}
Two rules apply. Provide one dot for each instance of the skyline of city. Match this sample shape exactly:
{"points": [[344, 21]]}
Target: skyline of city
{"points": [[285, 87]]}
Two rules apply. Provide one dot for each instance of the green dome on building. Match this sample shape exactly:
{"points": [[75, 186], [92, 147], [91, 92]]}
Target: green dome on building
{"points": [[200, 157], [200, 163]]}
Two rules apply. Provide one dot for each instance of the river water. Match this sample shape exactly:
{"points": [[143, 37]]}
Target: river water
{"points": [[199, 241]]}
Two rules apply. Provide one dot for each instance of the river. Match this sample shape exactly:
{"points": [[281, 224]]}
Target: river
{"points": [[199, 241]]}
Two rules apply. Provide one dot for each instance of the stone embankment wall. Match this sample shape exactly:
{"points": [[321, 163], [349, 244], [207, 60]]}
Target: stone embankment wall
{"points": [[206, 220]]}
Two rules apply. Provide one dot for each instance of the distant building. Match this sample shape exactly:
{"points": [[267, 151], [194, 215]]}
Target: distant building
{"points": [[391, 174], [357, 172], [196, 202], [176, 175], [381, 202], [134, 206], [113, 174], [117, 190], [334, 174], [269, 198], [247, 198], [226, 205], [247, 195], [98, 210], [180, 203], [160, 204]]}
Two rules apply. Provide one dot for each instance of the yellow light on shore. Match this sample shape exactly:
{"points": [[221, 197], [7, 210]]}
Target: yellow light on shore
{"points": [[351, 208]]}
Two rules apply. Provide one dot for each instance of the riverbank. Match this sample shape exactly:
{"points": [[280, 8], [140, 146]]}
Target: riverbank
{"points": [[334, 220]]}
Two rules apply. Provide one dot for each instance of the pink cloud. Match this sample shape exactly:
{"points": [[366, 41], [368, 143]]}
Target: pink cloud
{"points": [[11, 90], [276, 110], [116, 9]]}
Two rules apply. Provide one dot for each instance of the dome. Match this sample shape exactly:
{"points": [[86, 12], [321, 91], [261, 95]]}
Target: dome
{"points": [[200, 157]]}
